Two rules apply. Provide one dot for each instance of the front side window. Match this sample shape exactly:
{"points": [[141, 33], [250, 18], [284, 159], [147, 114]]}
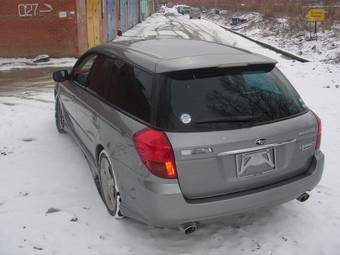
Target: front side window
{"points": [[81, 71], [215, 99]]}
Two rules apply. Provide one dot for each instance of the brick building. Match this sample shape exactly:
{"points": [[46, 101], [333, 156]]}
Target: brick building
{"points": [[65, 27]]}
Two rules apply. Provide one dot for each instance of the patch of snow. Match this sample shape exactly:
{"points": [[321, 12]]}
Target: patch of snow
{"points": [[24, 63], [280, 33]]}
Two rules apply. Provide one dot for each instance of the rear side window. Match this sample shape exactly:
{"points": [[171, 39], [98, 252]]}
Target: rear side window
{"points": [[124, 86], [215, 99], [131, 90]]}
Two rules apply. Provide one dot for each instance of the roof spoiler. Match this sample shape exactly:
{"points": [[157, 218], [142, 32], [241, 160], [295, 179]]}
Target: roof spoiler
{"points": [[265, 62]]}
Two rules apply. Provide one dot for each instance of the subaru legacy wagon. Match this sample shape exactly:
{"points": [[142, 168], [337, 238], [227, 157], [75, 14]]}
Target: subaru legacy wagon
{"points": [[178, 132]]}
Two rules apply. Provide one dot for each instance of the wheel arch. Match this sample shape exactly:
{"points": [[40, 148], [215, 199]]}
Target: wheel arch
{"points": [[99, 149]]}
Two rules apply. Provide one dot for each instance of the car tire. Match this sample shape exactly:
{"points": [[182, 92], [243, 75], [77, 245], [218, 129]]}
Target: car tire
{"points": [[59, 118], [108, 186]]}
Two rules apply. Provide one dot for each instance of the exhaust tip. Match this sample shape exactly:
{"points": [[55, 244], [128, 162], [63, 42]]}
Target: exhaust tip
{"points": [[303, 197], [188, 228]]}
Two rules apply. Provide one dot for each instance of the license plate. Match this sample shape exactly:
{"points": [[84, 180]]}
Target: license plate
{"points": [[255, 163]]}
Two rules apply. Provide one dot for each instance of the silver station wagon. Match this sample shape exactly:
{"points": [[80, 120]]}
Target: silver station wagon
{"points": [[178, 132]]}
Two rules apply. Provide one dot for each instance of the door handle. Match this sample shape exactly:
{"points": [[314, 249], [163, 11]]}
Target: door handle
{"points": [[95, 120]]}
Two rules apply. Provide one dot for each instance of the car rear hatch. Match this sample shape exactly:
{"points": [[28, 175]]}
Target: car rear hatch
{"points": [[235, 129], [217, 163]]}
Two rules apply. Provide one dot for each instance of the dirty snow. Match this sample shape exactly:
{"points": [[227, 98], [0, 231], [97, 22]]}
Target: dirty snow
{"points": [[20, 63], [280, 33], [49, 203]]}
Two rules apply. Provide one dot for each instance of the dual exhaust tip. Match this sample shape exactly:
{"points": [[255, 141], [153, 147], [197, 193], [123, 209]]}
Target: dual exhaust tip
{"points": [[191, 227]]}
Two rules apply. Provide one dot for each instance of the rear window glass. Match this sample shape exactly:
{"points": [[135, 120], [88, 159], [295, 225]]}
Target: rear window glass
{"points": [[215, 99]]}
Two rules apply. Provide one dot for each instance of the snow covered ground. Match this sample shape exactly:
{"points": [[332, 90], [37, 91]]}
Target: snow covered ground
{"points": [[43, 171], [279, 32], [20, 63]]}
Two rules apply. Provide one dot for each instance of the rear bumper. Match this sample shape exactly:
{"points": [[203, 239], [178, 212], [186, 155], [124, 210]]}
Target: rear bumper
{"points": [[165, 205]]}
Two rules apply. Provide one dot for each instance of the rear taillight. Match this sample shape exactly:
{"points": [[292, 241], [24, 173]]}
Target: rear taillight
{"points": [[318, 132], [156, 152]]}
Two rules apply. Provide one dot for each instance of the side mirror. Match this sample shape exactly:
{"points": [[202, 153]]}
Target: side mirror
{"points": [[60, 76]]}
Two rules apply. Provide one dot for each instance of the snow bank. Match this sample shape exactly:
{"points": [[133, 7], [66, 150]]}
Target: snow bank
{"points": [[280, 33]]}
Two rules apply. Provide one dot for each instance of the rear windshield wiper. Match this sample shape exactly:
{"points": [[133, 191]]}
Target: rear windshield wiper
{"points": [[244, 118]]}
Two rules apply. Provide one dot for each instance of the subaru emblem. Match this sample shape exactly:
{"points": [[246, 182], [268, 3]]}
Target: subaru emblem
{"points": [[261, 141]]}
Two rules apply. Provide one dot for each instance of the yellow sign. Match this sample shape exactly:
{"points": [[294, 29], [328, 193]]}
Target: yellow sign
{"points": [[316, 15]]}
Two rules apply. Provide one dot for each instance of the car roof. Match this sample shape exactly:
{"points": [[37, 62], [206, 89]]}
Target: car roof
{"points": [[169, 55]]}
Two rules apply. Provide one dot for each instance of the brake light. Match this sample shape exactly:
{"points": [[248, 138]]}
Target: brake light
{"points": [[156, 152], [318, 131]]}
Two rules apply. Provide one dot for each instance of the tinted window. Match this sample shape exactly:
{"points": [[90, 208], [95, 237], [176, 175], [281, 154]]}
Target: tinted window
{"points": [[82, 70], [123, 85], [215, 99], [131, 90], [99, 79]]}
